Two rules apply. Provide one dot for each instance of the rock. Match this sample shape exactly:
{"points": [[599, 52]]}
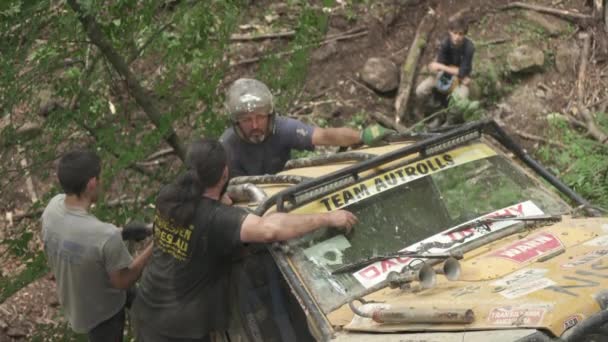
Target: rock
{"points": [[3, 325], [556, 117], [28, 131], [279, 7], [525, 58], [381, 74], [554, 26], [16, 332], [525, 103], [324, 52], [566, 58]]}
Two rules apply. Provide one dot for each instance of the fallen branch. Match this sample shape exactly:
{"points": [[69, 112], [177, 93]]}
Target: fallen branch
{"points": [[301, 108], [582, 70], [592, 128], [329, 39], [388, 122], [532, 137], [248, 37], [362, 86], [494, 42], [29, 183], [577, 18], [161, 153], [409, 69]]}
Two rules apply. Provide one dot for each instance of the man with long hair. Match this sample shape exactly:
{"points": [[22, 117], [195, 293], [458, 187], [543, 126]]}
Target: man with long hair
{"points": [[184, 291]]}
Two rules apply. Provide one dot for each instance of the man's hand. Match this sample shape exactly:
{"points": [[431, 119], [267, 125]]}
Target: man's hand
{"points": [[136, 231], [375, 134], [342, 219]]}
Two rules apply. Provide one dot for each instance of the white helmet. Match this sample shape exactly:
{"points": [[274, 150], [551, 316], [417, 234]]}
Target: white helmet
{"points": [[245, 96]]}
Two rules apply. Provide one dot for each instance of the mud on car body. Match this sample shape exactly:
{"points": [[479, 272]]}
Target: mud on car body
{"points": [[532, 254]]}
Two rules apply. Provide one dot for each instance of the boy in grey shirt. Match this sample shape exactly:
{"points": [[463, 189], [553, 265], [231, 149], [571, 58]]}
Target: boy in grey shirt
{"points": [[91, 263]]}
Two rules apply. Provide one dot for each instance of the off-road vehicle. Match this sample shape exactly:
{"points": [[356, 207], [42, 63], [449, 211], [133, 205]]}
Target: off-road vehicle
{"points": [[462, 236]]}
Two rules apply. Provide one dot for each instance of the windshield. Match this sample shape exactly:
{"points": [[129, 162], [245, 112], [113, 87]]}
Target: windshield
{"points": [[408, 208]]}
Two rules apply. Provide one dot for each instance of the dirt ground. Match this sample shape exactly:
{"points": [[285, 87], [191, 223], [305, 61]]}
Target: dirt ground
{"points": [[332, 91]]}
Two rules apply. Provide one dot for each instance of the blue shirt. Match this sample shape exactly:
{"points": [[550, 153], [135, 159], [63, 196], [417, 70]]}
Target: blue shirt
{"points": [[269, 156]]}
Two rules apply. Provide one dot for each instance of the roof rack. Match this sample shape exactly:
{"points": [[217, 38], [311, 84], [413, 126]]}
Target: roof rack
{"points": [[269, 179], [315, 188]]}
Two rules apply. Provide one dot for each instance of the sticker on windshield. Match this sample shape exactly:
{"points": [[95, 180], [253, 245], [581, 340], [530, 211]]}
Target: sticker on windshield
{"points": [[404, 174], [530, 248], [328, 252], [442, 242]]}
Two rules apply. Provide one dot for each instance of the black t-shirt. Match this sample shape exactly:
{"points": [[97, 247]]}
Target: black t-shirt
{"points": [[461, 56], [184, 289]]}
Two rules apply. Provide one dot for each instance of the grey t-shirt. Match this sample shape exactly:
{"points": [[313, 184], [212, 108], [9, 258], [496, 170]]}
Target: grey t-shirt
{"points": [[81, 251], [269, 156]]}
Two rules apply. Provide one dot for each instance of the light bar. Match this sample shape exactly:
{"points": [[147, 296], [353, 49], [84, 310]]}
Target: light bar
{"points": [[451, 143]]}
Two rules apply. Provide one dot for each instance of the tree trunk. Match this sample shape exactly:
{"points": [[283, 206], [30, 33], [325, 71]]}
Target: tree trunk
{"points": [[141, 97], [409, 69]]}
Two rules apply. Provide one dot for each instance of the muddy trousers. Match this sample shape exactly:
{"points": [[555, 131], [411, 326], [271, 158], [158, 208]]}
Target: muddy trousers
{"points": [[425, 89]]}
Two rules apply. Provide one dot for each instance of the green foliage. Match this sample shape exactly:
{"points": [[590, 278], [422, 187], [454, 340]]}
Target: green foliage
{"points": [[36, 267], [286, 76], [582, 164], [61, 332]]}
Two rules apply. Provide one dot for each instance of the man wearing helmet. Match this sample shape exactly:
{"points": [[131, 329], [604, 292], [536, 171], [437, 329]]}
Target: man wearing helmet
{"points": [[260, 142]]}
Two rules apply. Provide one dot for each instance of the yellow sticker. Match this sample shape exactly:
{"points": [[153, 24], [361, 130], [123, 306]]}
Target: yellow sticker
{"points": [[394, 178]]}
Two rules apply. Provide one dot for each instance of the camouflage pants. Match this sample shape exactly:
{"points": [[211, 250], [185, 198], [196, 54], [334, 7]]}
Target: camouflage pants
{"points": [[425, 89]]}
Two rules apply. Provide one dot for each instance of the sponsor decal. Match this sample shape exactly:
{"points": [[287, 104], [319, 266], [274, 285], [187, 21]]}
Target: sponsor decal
{"points": [[522, 282], [572, 321], [401, 175], [600, 241], [530, 248], [591, 256], [530, 315], [378, 271]]}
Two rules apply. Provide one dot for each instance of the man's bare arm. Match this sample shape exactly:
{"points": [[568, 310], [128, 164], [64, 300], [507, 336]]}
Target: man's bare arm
{"points": [[126, 277], [281, 226], [342, 136], [450, 69]]}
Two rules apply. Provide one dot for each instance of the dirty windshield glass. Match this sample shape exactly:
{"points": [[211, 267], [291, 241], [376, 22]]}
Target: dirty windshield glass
{"points": [[409, 208]]}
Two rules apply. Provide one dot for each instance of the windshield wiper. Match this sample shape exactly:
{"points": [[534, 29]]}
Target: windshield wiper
{"points": [[361, 263], [485, 222]]}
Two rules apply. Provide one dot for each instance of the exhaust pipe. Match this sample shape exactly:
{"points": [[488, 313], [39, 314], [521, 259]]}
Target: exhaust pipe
{"points": [[415, 315], [450, 269]]}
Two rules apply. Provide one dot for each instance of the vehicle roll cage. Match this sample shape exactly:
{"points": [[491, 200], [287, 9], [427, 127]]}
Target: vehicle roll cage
{"points": [[312, 189], [435, 144]]}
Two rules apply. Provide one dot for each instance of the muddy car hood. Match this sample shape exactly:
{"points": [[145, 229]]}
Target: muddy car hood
{"points": [[549, 278]]}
